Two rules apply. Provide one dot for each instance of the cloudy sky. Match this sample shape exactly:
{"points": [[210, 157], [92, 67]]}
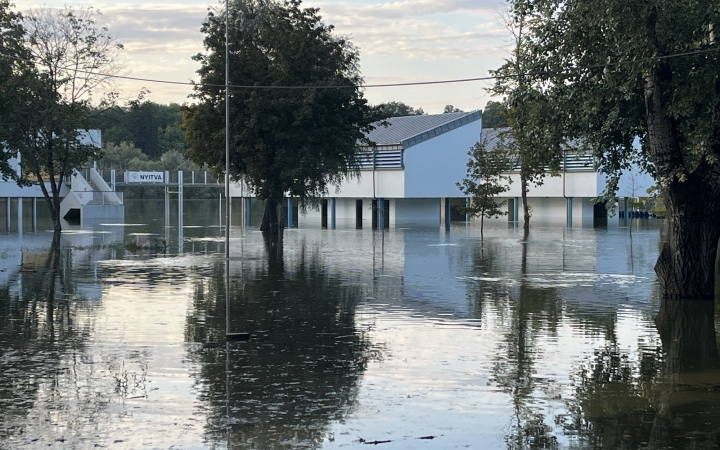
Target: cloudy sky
{"points": [[399, 41]]}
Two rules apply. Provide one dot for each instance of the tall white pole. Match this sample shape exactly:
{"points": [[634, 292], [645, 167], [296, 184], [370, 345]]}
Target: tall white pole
{"points": [[227, 129]]}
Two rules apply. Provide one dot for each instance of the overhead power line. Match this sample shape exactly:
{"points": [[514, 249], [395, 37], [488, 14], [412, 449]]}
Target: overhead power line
{"points": [[388, 85]]}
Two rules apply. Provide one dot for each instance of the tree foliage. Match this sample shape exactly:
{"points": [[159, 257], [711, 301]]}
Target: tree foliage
{"points": [[649, 68], [152, 127], [293, 142], [537, 144], [395, 109], [16, 73], [494, 115], [486, 179], [72, 60], [451, 109]]}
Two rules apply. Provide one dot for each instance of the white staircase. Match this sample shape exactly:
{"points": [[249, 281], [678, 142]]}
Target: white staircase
{"points": [[91, 198]]}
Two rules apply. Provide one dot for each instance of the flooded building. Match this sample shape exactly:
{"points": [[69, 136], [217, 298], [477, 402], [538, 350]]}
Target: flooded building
{"points": [[410, 177]]}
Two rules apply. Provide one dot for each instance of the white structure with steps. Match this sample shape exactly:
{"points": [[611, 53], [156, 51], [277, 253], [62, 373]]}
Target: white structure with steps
{"points": [[91, 198]]}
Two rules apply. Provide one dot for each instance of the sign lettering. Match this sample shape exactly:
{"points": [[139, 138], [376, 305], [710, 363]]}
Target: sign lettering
{"points": [[146, 177]]}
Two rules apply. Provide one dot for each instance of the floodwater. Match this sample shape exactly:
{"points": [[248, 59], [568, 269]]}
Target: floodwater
{"points": [[406, 339]]}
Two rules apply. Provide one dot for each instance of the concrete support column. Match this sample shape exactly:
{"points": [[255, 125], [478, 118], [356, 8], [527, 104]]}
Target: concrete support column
{"points": [[289, 213], [569, 211], [112, 180], [516, 206], [20, 214], [332, 213], [7, 213], [467, 214], [447, 214], [248, 212], [34, 213]]}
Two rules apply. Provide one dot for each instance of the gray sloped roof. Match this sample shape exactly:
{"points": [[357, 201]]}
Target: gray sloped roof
{"points": [[412, 130], [491, 137]]}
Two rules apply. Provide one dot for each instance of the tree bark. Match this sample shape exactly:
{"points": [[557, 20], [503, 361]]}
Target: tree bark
{"points": [[686, 265], [523, 193], [272, 218]]}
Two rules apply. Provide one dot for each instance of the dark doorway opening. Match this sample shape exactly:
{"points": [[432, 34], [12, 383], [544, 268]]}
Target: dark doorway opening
{"points": [[358, 214], [324, 214]]}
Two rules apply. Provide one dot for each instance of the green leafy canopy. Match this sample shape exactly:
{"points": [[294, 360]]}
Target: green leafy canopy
{"points": [[283, 141]]}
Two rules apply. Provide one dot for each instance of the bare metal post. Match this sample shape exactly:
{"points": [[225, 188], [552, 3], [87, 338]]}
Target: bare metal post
{"points": [[227, 129]]}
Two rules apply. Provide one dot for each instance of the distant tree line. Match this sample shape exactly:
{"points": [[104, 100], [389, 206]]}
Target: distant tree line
{"points": [[153, 128]]}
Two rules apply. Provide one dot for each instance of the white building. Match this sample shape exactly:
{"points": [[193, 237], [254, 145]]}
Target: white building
{"points": [[417, 161]]}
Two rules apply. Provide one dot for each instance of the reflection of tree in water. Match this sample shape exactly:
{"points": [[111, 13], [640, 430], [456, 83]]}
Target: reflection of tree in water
{"points": [[38, 334], [301, 370], [666, 397], [528, 313]]}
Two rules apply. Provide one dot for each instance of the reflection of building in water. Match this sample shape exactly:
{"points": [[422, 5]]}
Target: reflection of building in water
{"points": [[433, 271]]}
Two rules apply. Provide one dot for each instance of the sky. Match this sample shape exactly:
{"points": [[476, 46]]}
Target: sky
{"points": [[399, 41]]}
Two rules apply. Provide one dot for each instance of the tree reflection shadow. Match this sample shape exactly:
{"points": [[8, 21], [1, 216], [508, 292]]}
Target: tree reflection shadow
{"points": [[301, 370], [38, 336], [667, 397]]}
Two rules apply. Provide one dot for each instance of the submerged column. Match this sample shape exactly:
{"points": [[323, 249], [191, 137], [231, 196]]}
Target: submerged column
{"points": [[20, 212], [180, 211], [467, 214], [7, 213], [447, 214], [289, 213], [381, 213], [569, 211], [248, 212], [516, 207], [167, 207], [34, 213], [332, 213]]}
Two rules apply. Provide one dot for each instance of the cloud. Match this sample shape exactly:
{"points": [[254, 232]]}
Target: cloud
{"points": [[410, 40]]}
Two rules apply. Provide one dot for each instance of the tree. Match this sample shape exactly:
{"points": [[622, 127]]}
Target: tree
{"points": [[395, 109], [623, 69], [123, 156], [494, 115], [73, 60], [451, 109], [535, 142], [485, 180], [15, 74], [294, 141]]}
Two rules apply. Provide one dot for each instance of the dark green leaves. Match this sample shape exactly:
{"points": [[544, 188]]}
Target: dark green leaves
{"points": [[295, 141]]}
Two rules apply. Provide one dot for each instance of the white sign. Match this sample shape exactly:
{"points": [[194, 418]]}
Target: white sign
{"points": [[146, 177]]}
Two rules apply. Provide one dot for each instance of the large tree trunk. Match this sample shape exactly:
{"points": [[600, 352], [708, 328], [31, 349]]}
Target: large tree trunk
{"points": [[272, 219], [686, 266]]}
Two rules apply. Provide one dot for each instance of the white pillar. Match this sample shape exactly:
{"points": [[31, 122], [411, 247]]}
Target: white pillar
{"points": [[34, 213], [7, 213], [20, 212], [180, 200]]}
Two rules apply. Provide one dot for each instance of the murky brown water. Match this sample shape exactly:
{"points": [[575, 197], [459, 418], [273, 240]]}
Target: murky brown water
{"points": [[358, 337]]}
